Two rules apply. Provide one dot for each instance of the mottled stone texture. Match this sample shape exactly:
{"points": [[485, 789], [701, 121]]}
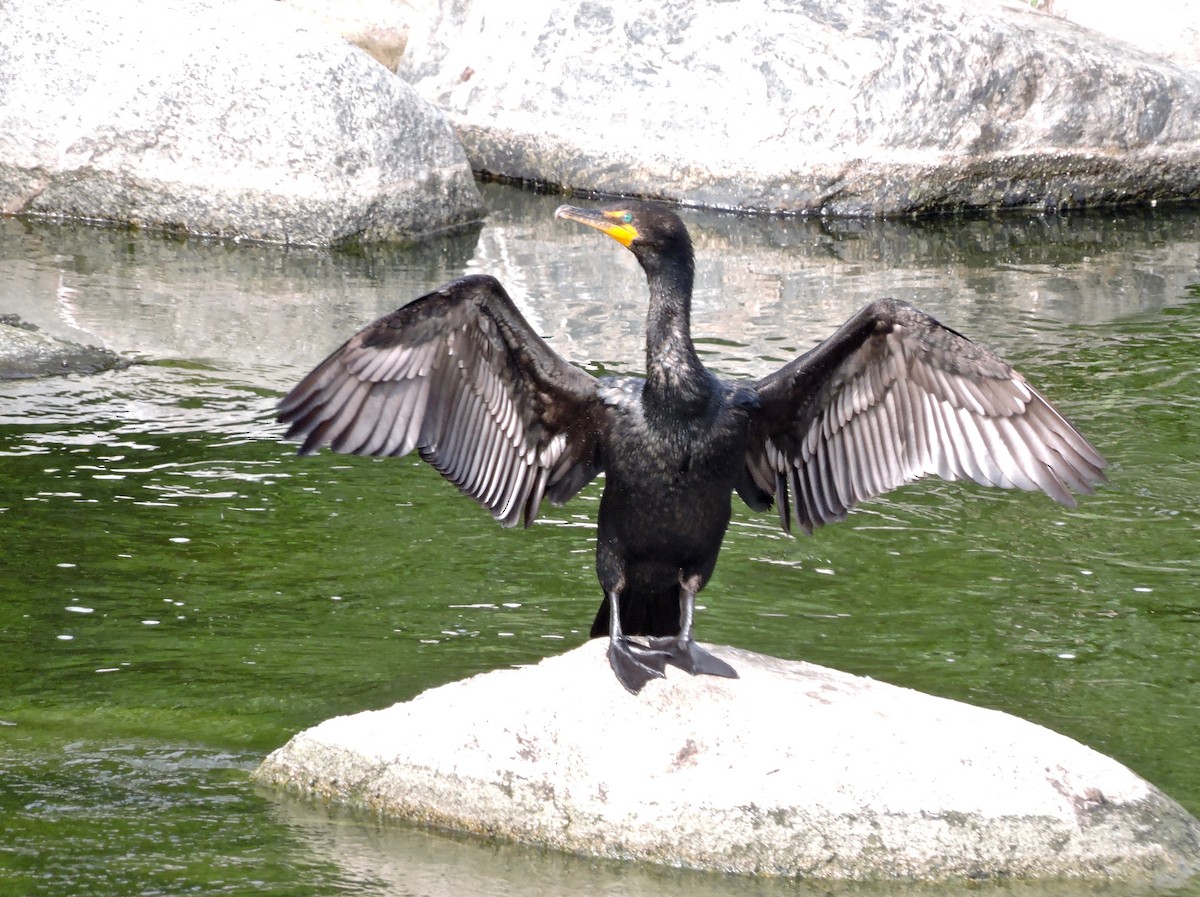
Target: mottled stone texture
{"points": [[26, 353], [792, 770], [217, 118], [872, 107]]}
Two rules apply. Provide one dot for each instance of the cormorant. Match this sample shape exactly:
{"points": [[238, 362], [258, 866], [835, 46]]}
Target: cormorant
{"points": [[460, 376]]}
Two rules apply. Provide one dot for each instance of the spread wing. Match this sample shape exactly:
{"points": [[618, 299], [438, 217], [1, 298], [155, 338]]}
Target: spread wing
{"points": [[892, 396], [460, 376]]}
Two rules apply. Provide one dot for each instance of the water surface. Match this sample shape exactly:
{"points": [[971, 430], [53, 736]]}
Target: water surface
{"points": [[180, 593]]}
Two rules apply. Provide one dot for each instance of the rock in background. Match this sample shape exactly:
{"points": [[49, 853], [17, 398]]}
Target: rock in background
{"points": [[217, 118], [836, 106], [1168, 28], [253, 119]]}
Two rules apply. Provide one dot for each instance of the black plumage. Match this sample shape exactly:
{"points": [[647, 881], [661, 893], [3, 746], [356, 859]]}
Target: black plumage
{"points": [[893, 395]]}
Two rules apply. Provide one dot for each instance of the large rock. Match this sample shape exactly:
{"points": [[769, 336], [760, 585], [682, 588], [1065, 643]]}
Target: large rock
{"points": [[837, 106], [792, 770], [217, 118]]}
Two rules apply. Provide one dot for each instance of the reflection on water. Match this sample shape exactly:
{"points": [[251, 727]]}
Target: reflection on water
{"points": [[766, 288], [393, 859], [181, 593]]}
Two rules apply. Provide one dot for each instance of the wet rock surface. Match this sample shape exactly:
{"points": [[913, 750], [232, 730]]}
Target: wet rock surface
{"points": [[25, 352]]}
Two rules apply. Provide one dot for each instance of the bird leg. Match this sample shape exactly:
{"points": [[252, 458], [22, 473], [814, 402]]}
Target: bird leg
{"points": [[682, 650], [634, 664]]}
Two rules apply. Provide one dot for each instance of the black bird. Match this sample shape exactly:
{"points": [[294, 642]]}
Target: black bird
{"points": [[893, 395]]}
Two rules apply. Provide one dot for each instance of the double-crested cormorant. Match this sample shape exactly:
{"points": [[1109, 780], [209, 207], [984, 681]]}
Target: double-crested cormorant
{"points": [[891, 396]]}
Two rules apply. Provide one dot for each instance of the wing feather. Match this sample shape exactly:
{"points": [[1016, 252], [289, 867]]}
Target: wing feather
{"points": [[894, 396], [460, 376], [405, 427]]}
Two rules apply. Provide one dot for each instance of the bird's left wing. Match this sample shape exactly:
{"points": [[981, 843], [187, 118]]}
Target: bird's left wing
{"points": [[460, 376], [893, 396]]}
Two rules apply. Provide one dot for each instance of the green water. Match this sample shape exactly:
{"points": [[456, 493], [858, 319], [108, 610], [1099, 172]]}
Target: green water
{"points": [[180, 593]]}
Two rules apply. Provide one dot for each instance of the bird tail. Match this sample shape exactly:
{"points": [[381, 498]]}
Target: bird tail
{"points": [[650, 613]]}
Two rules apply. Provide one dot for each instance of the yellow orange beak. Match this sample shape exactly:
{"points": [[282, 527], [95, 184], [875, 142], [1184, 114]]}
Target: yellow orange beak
{"points": [[617, 223]]}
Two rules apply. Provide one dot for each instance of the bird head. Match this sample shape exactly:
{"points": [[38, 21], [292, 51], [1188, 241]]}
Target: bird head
{"points": [[646, 229]]}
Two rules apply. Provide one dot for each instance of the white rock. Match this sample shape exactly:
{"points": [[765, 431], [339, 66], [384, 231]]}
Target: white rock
{"points": [[217, 118], [1169, 28], [379, 27], [792, 769], [838, 106]]}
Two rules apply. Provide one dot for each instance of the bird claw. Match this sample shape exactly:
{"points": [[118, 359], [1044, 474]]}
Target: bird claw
{"points": [[691, 658], [635, 664]]}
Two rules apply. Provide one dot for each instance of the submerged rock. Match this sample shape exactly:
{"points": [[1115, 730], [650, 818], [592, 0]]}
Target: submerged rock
{"points": [[26, 353], [846, 107], [791, 770], [217, 118]]}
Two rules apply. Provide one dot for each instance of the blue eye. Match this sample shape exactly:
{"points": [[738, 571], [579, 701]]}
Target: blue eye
{"points": [[627, 217]]}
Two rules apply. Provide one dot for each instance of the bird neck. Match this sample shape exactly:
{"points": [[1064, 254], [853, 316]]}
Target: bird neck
{"points": [[675, 377]]}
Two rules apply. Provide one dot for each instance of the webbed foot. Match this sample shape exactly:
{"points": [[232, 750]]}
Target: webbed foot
{"points": [[691, 658], [635, 664]]}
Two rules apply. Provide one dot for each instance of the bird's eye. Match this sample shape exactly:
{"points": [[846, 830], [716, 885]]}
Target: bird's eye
{"points": [[627, 217]]}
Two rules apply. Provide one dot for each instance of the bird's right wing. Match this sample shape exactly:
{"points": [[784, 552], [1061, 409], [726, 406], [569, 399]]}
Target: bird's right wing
{"points": [[459, 375]]}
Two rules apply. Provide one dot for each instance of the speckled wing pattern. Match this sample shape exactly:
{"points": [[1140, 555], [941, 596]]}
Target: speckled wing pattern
{"points": [[893, 396], [460, 376]]}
